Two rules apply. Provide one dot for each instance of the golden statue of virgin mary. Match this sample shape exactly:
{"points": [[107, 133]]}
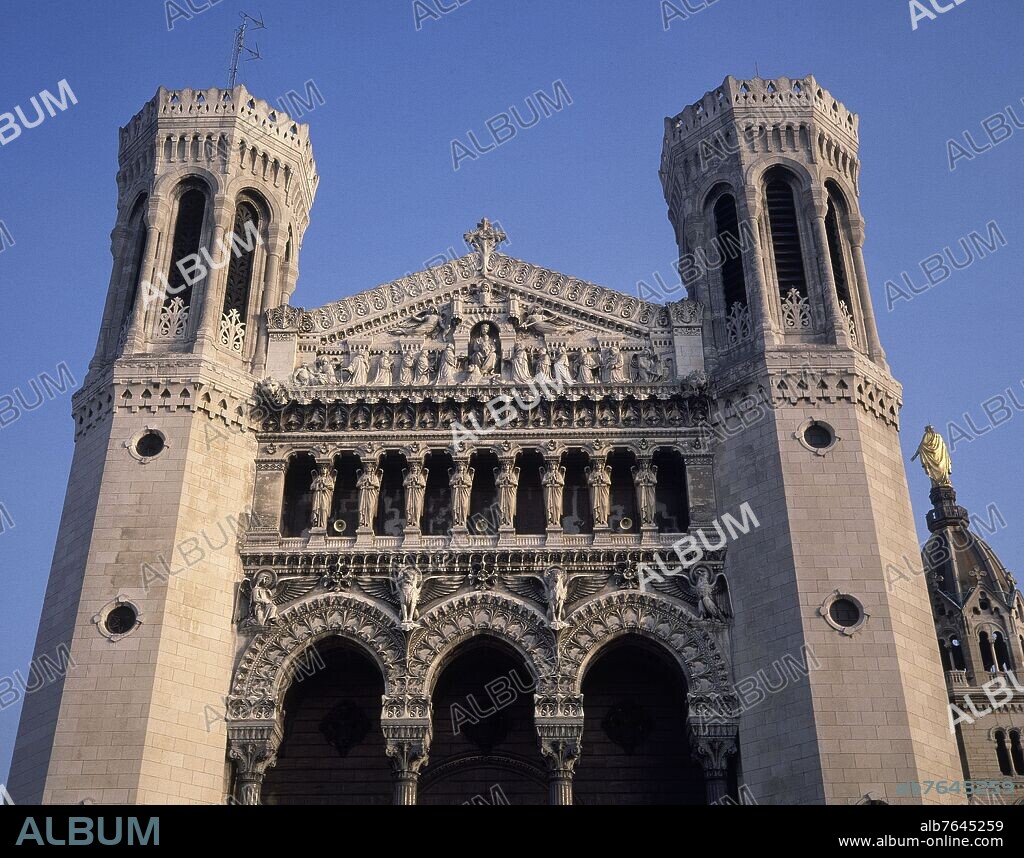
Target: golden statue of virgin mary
{"points": [[934, 457]]}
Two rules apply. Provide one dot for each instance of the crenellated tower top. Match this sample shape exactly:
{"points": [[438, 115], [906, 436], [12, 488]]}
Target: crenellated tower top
{"points": [[761, 180]]}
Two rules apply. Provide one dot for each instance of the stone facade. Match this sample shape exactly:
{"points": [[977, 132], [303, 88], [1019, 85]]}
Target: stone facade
{"points": [[484, 457]]}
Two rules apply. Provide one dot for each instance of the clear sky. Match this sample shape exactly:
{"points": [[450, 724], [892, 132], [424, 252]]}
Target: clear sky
{"points": [[578, 193]]}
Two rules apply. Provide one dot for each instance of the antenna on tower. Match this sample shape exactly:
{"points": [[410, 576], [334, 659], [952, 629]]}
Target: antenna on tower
{"points": [[240, 46]]}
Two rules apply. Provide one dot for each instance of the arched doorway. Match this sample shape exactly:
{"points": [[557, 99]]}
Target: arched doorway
{"points": [[484, 748], [635, 744], [332, 750]]}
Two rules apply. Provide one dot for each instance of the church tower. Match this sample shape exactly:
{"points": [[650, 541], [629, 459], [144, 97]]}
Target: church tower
{"points": [[214, 192], [761, 179]]}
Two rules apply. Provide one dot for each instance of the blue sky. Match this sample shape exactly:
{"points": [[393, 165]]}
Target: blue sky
{"points": [[578, 193]]}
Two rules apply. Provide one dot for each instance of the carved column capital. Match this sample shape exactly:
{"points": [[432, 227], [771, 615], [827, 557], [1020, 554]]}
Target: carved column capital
{"points": [[253, 748], [712, 744], [408, 743], [561, 743]]}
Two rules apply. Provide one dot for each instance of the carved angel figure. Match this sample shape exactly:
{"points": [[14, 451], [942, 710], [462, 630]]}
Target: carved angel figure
{"points": [[358, 369], [539, 321], [934, 456], [368, 483], [426, 324], [385, 370], [262, 608], [556, 590], [704, 586], [407, 589]]}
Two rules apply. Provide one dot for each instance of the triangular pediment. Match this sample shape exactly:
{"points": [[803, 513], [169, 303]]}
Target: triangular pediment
{"points": [[536, 301]]}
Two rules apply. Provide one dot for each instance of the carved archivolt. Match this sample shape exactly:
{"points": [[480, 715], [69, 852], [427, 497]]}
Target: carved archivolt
{"points": [[455, 621], [606, 618], [262, 674]]}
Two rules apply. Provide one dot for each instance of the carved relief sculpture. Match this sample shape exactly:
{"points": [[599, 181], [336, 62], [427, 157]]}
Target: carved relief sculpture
{"points": [[262, 608], [588, 368]]}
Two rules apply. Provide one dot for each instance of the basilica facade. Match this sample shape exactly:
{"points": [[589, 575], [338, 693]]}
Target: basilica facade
{"points": [[489, 533]]}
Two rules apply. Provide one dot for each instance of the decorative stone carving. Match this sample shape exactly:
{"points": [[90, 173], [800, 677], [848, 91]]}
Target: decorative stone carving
{"points": [[705, 587], [485, 238], [263, 670], [173, 320], [407, 368], [690, 642], [446, 626], [796, 311], [560, 743], [599, 482], [536, 320], [484, 353], [430, 323], [738, 326], [407, 746], [613, 366], [562, 371], [711, 745], [232, 331]]}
